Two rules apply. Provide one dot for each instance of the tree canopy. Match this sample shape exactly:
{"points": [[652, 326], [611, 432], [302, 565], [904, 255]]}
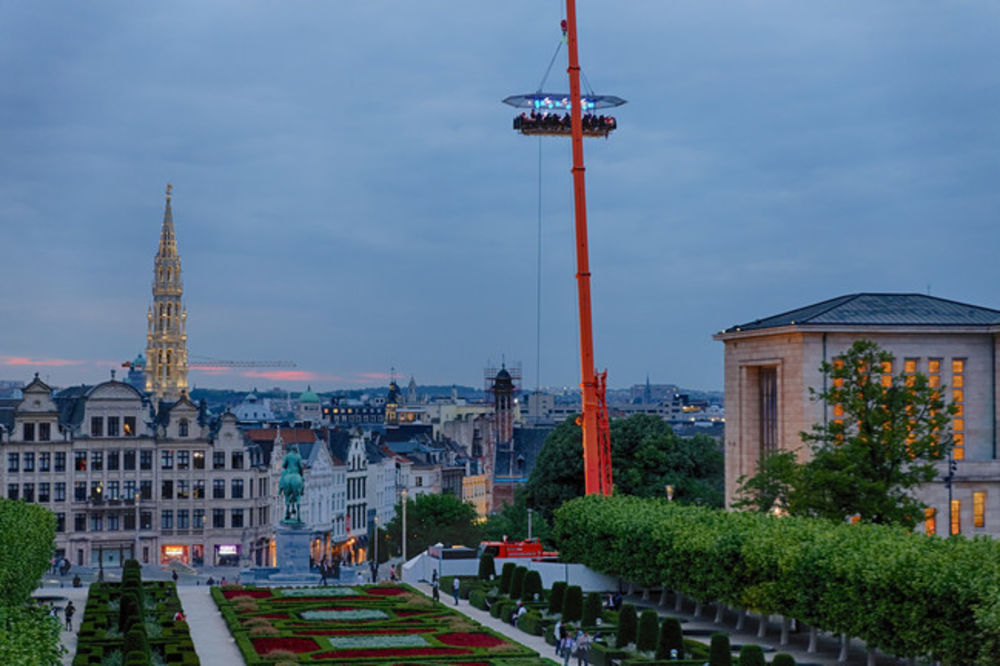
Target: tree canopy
{"points": [[886, 433], [512, 521], [434, 518], [646, 456]]}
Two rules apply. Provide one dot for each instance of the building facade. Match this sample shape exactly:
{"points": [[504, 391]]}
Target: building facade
{"points": [[772, 363]]}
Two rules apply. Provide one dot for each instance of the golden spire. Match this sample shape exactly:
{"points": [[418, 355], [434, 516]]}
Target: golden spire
{"points": [[169, 187]]}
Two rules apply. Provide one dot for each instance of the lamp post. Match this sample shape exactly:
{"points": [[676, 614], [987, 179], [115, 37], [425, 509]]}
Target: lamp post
{"points": [[135, 550], [949, 481], [529, 523], [404, 529]]}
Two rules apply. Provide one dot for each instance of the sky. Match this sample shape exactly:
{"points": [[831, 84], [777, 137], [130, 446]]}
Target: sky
{"points": [[349, 193]]}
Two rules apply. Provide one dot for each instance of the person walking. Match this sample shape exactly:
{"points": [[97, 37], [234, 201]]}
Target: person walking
{"points": [[392, 573], [174, 576], [435, 589], [582, 649], [567, 648], [454, 588], [70, 609], [558, 634], [323, 570]]}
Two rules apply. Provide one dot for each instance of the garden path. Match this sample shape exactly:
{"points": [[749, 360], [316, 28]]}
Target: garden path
{"points": [[212, 640]]}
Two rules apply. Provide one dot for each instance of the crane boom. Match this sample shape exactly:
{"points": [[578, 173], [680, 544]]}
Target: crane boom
{"points": [[596, 437], [219, 363]]}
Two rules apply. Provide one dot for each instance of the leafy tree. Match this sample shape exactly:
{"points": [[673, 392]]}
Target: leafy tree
{"points": [[646, 456], [431, 519], [512, 521], [887, 433], [29, 636]]}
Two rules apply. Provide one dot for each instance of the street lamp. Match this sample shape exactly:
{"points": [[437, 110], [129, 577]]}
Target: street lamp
{"points": [[404, 530], [949, 481], [135, 551], [670, 493], [529, 524]]}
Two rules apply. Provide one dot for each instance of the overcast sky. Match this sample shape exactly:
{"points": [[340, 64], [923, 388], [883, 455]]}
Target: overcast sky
{"points": [[349, 193]]}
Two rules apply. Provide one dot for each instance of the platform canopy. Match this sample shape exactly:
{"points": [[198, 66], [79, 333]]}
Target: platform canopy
{"points": [[543, 101]]}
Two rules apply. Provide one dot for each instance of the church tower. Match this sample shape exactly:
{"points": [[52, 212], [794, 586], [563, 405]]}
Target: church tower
{"points": [[166, 336]]}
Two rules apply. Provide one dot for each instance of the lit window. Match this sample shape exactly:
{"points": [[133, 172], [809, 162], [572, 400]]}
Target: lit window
{"points": [[958, 398], [910, 366], [956, 512], [886, 374], [979, 509]]}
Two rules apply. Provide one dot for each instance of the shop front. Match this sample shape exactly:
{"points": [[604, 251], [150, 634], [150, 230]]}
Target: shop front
{"points": [[190, 554], [228, 554]]}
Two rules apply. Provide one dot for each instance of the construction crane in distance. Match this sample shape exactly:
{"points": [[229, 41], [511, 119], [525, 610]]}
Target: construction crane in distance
{"points": [[204, 362]]}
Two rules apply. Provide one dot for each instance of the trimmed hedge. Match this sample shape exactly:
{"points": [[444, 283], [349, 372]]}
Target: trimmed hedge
{"points": [[591, 609], [572, 609], [601, 655], [720, 653], [626, 626], [506, 575], [671, 638], [517, 582], [816, 571], [752, 655], [532, 585], [487, 568], [783, 659], [556, 596], [649, 627]]}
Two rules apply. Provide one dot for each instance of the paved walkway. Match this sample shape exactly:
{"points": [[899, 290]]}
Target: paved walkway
{"points": [[212, 640]]}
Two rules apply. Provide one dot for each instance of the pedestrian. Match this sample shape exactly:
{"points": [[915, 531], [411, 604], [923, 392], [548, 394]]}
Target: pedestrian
{"points": [[359, 577], [557, 634], [567, 648], [322, 573], [454, 588], [434, 576], [174, 576], [179, 616], [436, 589], [70, 609], [392, 573], [582, 649]]}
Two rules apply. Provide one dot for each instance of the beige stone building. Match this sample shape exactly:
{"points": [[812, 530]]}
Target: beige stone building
{"points": [[772, 362]]}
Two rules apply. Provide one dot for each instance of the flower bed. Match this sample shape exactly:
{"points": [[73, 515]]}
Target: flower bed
{"points": [[384, 624]]}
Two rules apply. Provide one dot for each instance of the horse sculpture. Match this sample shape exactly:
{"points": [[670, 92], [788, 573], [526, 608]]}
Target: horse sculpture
{"points": [[291, 484]]}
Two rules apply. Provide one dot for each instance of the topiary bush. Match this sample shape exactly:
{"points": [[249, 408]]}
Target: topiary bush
{"points": [[136, 659], [783, 659], [556, 596], [752, 655], [626, 626], [532, 585], [720, 653], [517, 582], [129, 611], [506, 576], [671, 638], [487, 569], [135, 641], [591, 609], [572, 609], [649, 627]]}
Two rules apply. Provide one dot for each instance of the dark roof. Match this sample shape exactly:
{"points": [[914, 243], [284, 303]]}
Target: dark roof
{"points": [[879, 310], [528, 442]]}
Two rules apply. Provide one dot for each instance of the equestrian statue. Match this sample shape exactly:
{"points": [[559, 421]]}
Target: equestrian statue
{"points": [[291, 484]]}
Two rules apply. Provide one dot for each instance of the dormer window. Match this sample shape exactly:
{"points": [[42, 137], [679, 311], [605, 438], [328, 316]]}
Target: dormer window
{"points": [[182, 428]]}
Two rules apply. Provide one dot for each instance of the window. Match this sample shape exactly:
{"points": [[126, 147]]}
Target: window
{"points": [[60, 522], [958, 397], [113, 491], [218, 460], [129, 426], [97, 461], [44, 432], [237, 460], [218, 518], [28, 430], [113, 459], [13, 491], [60, 463], [59, 492], [96, 491], [183, 489], [199, 460], [129, 520], [198, 489], [768, 386], [29, 462], [182, 428], [44, 462], [237, 489], [183, 459], [886, 378], [166, 489], [182, 520], [145, 460], [198, 519], [29, 492], [96, 426], [128, 460], [956, 516], [978, 509], [167, 519], [113, 522], [80, 522], [145, 490], [80, 461], [43, 492], [79, 491], [218, 489], [112, 427], [166, 459], [128, 491], [236, 518], [145, 520], [13, 462], [96, 522]]}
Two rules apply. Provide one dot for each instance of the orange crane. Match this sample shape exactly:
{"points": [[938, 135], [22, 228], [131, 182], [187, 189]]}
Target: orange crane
{"points": [[594, 417]]}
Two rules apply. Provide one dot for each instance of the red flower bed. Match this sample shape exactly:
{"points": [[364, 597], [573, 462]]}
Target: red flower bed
{"points": [[472, 639], [256, 594], [385, 591], [265, 645], [410, 613], [275, 616], [329, 600], [365, 632], [390, 652]]}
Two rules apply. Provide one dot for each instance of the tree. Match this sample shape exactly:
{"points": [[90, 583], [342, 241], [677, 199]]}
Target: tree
{"points": [[646, 456], [432, 519], [886, 434], [512, 521]]}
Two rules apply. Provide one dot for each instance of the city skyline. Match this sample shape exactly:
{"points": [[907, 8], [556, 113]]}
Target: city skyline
{"points": [[349, 194]]}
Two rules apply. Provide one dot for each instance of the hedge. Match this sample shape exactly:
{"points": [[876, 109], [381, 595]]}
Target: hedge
{"points": [[626, 626], [783, 659], [752, 655], [517, 582], [556, 596], [487, 569], [671, 638], [506, 574], [720, 653], [649, 627], [572, 609], [591, 609], [531, 586], [923, 596]]}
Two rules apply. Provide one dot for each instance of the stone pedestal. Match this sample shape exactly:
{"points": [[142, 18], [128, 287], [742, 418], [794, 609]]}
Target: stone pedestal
{"points": [[292, 546]]}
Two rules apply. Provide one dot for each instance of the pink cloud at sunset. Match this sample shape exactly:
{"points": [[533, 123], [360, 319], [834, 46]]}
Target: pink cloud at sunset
{"points": [[50, 362], [285, 375]]}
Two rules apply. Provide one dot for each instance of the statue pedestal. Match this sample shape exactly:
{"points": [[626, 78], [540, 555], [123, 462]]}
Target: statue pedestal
{"points": [[292, 546]]}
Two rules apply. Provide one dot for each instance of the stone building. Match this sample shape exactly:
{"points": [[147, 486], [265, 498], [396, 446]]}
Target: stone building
{"points": [[772, 362]]}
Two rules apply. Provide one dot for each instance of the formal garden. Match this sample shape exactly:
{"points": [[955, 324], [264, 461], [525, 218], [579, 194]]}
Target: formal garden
{"points": [[132, 623], [624, 636], [369, 624]]}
